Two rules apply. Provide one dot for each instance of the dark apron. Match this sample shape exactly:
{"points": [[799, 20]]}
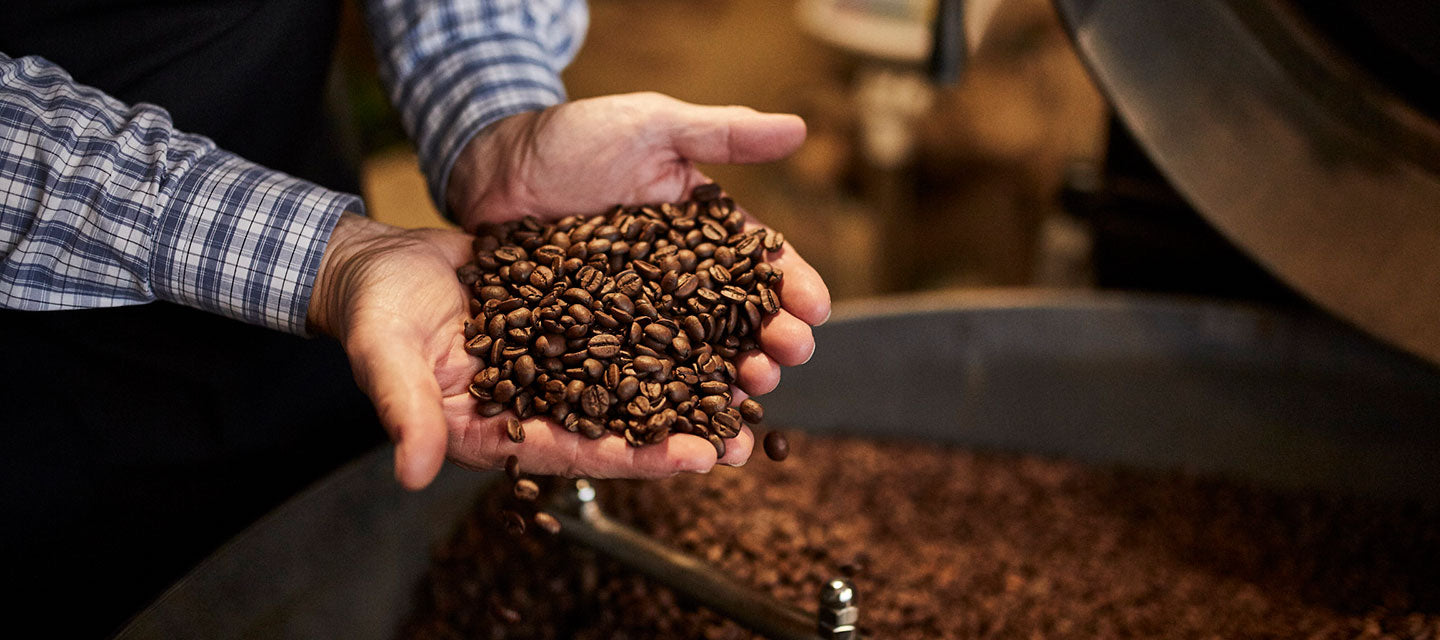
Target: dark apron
{"points": [[135, 440]]}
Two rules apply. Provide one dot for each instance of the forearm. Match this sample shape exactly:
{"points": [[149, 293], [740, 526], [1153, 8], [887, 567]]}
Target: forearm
{"points": [[106, 205], [453, 68]]}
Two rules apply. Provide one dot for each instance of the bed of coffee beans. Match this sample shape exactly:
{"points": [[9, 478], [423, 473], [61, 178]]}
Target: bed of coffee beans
{"points": [[950, 543], [626, 323]]}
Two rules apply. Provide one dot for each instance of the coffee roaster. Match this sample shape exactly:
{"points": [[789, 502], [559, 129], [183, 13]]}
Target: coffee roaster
{"points": [[1303, 134]]}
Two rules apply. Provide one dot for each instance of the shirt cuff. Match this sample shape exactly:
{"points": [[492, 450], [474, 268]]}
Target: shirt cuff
{"points": [[243, 241], [466, 90]]}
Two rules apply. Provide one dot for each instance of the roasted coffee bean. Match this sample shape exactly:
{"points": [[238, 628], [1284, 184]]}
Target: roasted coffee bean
{"points": [[712, 404], [714, 387], [493, 292], [573, 389], [589, 278], [509, 254], [479, 346], [524, 370], [490, 409], [677, 391], [547, 523], [512, 467], [527, 490], [590, 428], [504, 391], [769, 302], [669, 281], [593, 368], [777, 447], [752, 411], [595, 401], [604, 346], [514, 524], [705, 192], [660, 333], [514, 430], [639, 407], [747, 246], [628, 387], [726, 424], [774, 240], [733, 293], [694, 329], [479, 393], [646, 364], [718, 443], [542, 277], [629, 282], [550, 346]]}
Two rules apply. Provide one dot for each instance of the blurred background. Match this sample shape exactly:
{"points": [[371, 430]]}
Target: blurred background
{"points": [[904, 184]]}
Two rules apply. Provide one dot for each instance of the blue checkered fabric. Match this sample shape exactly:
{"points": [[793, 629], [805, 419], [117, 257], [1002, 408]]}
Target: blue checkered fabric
{"points": [[104, 204], [452, 68]]}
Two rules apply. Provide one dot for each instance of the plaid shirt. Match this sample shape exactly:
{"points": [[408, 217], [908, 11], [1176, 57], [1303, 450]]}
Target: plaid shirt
{"points": [[104, 204]]}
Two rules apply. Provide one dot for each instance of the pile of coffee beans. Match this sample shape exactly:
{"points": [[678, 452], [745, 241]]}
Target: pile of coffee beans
{"points": [[626, 323], [950, 543]]}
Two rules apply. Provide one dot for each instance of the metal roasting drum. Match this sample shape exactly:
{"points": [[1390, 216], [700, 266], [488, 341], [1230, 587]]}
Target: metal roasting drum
{"points": [[1305, 132], [1276, 399]]}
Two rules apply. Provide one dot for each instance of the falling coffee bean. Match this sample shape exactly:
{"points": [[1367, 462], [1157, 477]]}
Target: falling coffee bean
{"points": [[547, 523], [512, 467], [776, 446], [752, 411], [527, 490]]}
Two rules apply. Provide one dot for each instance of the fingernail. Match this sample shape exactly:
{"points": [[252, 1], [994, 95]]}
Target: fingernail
{"points": [[828, 313], [812, 354]]}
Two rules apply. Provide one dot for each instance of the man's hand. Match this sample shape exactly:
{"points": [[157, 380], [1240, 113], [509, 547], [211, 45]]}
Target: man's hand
{"points": [[588, 155], [392, 298]]}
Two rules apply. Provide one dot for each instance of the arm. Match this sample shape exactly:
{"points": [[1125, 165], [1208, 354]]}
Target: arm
{"points": [[103, 204], [453, 68]]}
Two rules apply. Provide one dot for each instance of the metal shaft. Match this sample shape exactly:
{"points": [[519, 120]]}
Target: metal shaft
{"points": [[685, 574]]}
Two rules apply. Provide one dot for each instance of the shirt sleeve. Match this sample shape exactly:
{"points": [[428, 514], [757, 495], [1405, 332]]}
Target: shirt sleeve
{"points": [[103, 204], [452, 67]]}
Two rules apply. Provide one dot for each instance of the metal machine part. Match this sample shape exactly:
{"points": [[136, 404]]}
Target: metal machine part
{"points": [[1221, 389], [1287, 145], [583, 522]]}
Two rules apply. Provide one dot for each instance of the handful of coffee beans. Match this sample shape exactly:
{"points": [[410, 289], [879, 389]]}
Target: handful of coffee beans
{"points": [[625, 323]]}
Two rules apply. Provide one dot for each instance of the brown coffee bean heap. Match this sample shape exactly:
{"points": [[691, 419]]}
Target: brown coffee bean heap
{"points": [[626, 323], [948, 543]]}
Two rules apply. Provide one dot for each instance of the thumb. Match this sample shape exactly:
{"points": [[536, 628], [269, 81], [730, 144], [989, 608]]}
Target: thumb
{"points": [[402, 386], [733, 135]]}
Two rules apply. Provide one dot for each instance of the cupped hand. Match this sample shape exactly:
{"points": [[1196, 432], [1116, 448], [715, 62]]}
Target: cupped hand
{"points": [[588, 155], [392, 298]]}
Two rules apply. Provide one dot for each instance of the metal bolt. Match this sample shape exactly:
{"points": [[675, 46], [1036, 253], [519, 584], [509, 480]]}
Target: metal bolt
{"points": [[838, 614]]}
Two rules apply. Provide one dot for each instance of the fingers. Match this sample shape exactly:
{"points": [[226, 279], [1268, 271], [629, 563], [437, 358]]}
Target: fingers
{"points": [[758, 373], [732, 135], [786, 339], [402, 386], [549, 449]]}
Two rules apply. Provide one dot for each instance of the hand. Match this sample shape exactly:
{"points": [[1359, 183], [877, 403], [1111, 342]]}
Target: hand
{"points": [[586, 156], [392, 299]]}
